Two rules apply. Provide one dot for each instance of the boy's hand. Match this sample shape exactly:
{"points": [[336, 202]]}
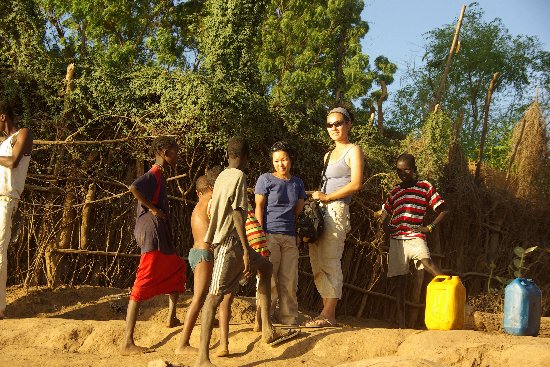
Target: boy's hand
{"points": [[421, 230], [246, 260], [158, 213]]}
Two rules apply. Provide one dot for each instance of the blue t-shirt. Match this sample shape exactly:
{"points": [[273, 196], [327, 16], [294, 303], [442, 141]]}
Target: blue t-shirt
{"points": [[282, 196]]}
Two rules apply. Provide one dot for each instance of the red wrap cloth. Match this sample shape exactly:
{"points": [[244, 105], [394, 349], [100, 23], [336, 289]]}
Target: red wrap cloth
{"points": [[157, 274]]}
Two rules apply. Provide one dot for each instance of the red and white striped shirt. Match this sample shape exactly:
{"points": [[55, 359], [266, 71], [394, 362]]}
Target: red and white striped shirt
{"points": [[408, 206]]}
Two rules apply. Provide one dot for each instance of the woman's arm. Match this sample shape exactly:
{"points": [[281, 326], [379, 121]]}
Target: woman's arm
{"points": [[356, 163], [260, 208]]}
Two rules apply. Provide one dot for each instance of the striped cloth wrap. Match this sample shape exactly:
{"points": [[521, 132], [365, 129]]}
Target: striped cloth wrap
{"points": [[255, 234]]}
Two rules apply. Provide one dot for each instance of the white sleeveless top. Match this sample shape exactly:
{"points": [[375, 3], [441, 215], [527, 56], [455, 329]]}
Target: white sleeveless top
{"points": [[12, 180]]}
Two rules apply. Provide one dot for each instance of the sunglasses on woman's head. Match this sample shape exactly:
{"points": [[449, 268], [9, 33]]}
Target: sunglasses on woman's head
{"points": [[280, 146], [335, 124]]}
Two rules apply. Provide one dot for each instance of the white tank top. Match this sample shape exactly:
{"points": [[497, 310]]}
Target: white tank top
{"points": [[12, 180]]}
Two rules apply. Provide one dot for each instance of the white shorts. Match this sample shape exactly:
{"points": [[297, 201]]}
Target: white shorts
{"points": [[402, 251]]}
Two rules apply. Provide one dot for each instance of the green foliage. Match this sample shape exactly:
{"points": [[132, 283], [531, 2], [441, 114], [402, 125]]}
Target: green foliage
{"points": [[124, 32], [310, 52], [519, 262], [486, 47], [431, 147], [517, 266]]}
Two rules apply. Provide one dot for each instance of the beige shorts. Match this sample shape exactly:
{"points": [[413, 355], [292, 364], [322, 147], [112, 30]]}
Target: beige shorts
{"points": [[402, 251]]}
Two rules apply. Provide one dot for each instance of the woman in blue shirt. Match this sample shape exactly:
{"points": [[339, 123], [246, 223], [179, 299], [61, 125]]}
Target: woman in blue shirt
{"points": [[279, 200]]}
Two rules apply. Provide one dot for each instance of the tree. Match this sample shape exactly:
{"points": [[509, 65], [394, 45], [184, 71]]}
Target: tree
{"points": [[310, 55], [486, 47], [384, 71], [126, 32]]}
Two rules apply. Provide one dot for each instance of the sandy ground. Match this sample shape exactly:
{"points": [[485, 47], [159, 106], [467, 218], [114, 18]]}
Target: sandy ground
{"points": [[83, 327]]}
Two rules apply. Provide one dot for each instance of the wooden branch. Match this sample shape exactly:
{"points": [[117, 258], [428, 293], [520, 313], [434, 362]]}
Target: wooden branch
{"points": [[485, 124], [492, 228], [176, 177], [379, 104], [439, 92], [465, 275], [92, 142], [89, 252], [44, 189], [372, 293]]}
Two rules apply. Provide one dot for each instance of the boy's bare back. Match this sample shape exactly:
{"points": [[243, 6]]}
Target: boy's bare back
{"points": [[199, 223]]}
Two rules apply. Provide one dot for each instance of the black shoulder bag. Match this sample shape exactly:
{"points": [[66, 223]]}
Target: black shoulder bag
{"points": [[310, 222]]}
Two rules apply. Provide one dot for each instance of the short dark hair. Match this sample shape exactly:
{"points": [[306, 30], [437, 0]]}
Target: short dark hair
{"points": [[407, 158], [162, 142], [237, 147], [6, 109], [212, 174], [201, 185], [284, 146]]}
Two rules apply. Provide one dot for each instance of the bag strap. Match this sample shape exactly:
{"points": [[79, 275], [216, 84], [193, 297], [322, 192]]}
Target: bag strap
{"points": [[323, 176]]}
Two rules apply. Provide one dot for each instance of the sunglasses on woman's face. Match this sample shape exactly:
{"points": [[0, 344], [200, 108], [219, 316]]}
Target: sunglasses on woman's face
{"points": [[335, 124]]}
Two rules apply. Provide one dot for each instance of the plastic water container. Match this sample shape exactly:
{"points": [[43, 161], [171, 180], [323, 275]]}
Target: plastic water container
{"points": [[522, 307], [445, 300]]}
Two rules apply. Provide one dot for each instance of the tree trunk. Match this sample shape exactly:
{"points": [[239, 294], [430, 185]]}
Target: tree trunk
{"points": [[339, 67], [86, 215], [52, 259], [485, 123], [439, 92], [379, 103]]}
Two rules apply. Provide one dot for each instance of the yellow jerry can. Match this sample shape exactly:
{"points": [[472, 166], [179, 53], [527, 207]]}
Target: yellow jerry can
{"points": [[445, 301]]}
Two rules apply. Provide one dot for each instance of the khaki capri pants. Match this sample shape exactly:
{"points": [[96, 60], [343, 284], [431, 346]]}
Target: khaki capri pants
{"points": [[326, 253]]}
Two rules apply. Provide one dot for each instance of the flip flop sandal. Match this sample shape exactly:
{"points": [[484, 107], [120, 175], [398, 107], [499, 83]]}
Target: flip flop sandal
{"points": [[291, 333], [319, 323]]}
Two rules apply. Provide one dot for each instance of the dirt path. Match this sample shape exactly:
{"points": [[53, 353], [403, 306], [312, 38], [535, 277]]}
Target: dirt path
{"points": [[83, 327]]}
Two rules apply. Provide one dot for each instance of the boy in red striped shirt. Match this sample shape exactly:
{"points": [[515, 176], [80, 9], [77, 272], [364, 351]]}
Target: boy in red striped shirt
{"points": [[403, 219]]}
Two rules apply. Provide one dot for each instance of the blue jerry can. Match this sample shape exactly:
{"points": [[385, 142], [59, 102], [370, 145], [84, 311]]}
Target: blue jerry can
{"points": [[522, 307]]}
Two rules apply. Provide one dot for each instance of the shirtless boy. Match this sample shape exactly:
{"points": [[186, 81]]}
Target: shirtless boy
{"points": [[201, 259]]}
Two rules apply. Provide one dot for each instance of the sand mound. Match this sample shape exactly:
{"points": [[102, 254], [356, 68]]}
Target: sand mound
{"points": [[83, 327]]}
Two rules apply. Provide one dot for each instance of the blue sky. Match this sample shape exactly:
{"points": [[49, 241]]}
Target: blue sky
{"points": [[397, 26]]}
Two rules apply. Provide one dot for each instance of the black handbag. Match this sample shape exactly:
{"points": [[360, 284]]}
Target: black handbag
{"points": [[311, 222]]}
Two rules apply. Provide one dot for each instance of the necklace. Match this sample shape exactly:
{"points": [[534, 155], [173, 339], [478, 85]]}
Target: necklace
{"points": [[162, 170]]}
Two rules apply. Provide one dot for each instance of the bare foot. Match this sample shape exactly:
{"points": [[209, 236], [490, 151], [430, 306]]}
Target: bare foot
{"points": [[173, 322], [257, 328], [268, 337], [222, 352], [187, 349], [131, 348]]}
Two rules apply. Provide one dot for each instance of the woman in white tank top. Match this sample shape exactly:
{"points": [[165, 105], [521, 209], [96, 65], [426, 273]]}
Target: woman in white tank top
{"points": [[14, 162], [344, 176]]}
